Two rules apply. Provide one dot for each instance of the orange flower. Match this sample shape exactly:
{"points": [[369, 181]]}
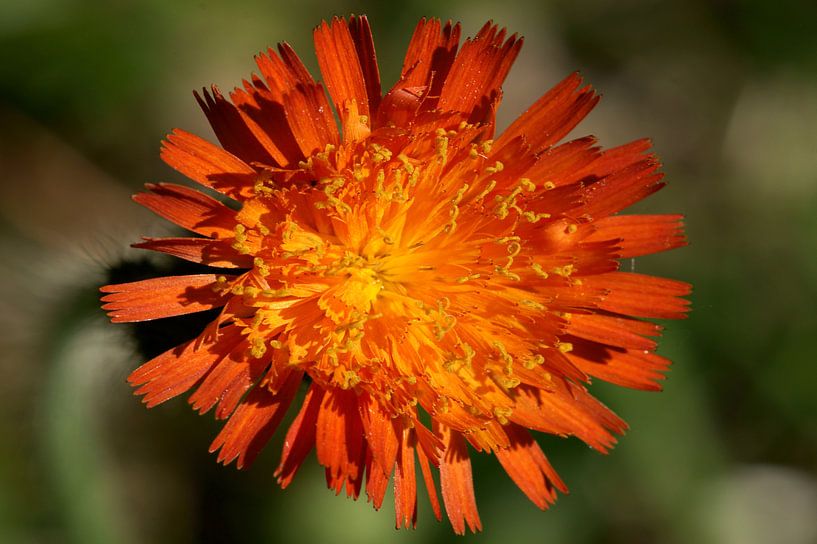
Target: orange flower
{"points": [[411, 266]]}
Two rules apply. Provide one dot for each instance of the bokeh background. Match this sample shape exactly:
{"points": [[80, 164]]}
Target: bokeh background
{"points": [[727, 453]]}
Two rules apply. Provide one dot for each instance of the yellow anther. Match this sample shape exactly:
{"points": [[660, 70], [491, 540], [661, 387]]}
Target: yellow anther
{"points": [[514, 248], [464, 279], [406, 164], [257, 347], [497, 167], [261, 267], [220, 285], [414, 177], [487, 190], [441, 145], [564, 347], [549, 185], [532, 362], [486, 146], [503, 353], [564, 271], [539, 271], [532, 304], [503, 414], [502, 271], [535, 217], [349, 379], [380, 153], [379, 184], [571, 228], [443, 405], [237, 290], [458, 197], [250, 292], [527, 184]]}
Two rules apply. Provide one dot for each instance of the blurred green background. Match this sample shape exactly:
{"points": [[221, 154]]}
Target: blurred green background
{"points": [[726, 454]]}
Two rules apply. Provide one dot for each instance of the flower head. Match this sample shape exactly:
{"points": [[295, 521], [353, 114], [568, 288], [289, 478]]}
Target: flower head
{"points": [[414, 267]]}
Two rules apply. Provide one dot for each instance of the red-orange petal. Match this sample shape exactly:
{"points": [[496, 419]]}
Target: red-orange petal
{"points": [[339, 439], [253, 423], [554, 115], [228, 380], [237, 132], [161, 297], [456, 481], [639, 235], [614, 331], [528, 467], [217, 253], [380, 433], [208, 164], [177, 370], [628, 368], [405, 483], [478, 72], [189, 208], [377, 481], [300, 438], [428, 479], [364, 45], [641, 295], [429, 56], [340, 65]]}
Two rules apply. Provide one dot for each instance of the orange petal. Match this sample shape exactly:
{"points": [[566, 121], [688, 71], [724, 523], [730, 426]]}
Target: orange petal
{"points": [[237, 132], [377, 481], [629, 368], [614, 331], [177, 370], [554, 115], [228, 380], [254, 422], [431, 488], [641, 295], [217, 253], [310, 118], [208, 164], [405, 483], [528, 467], [300, 438], [161, 297], [340, 65], [562, 164], [430, 54], [380, 433], [364, 45], [189, 208], [339, 439], [478, 71], [456, 482], [567, 409], [265, 107], [641, 234], [304, 103]]}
